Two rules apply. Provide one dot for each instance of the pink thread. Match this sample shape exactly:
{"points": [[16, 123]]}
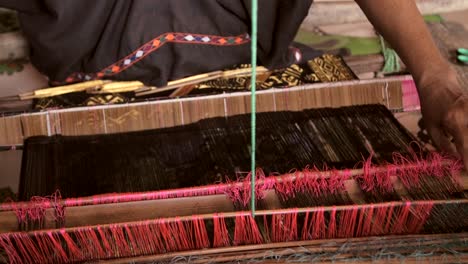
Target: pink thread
{"points": [[74, 251], [347, 224], [284, 187], [410, 96], [390, 216], [305, 228], [312, 182], [314, 226], [332, 224], [166, 235], [105, 238], [120, 240], [240, 190], [185, 231], [95, 248], [365, 226], [221, 235], [201, 236], [141, 239], [292, 228], [284, 227], [276, 227], [181, 232], [419, 216], [7, 245], [23, 245], [400, 227], [379, 221], [239, 231], [319, 224], [56, 199], [368, 176], [44, 246], [54, 238], [246, 231], [132, 242], [30, 251]]}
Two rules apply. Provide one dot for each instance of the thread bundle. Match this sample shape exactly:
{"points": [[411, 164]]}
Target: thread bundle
{"points": [[175, 235]]}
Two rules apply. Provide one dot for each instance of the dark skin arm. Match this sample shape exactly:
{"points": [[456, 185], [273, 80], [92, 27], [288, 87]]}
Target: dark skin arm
{"points": [[444, 104]]}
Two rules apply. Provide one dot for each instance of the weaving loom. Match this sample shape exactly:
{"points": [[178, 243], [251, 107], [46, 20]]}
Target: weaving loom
{"points": [[350, 188], [172, 180], [397, 195], [116, 217]]}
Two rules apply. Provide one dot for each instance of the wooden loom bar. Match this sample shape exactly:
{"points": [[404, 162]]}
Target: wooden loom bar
{"points": [[141, 210], [172, 112], [258, 213]]}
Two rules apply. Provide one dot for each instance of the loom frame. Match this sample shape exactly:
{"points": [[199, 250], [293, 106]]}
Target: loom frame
{"points": [[388, 91]]}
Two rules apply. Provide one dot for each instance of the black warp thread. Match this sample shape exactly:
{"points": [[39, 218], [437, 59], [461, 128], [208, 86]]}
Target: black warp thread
{"points": [[208, 151]]}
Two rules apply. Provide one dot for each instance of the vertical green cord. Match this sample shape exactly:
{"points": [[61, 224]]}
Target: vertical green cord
{"points": [[253, 99]]}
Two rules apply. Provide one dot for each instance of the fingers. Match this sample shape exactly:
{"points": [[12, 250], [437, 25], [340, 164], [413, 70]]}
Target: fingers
{"points": [[460, 139], [456, 123], [462, 148], [442, 142]]}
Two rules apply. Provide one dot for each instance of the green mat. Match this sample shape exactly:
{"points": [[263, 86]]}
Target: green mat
{"points": [[353, 45]]}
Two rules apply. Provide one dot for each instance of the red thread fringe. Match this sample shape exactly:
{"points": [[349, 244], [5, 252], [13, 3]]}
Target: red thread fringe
{"points": [[162, 236]]}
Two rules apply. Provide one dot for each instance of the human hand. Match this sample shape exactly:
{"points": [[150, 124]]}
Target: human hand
{"points": [[444, 106]]}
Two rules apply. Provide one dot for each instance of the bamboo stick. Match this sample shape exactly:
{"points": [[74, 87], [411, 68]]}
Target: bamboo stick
{"points": [[177, 83], [48, 92], [183, 90], [116, 87], [198, 79]]}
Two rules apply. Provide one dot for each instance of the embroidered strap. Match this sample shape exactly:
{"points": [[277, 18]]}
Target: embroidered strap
{"points": [[155, 44]]}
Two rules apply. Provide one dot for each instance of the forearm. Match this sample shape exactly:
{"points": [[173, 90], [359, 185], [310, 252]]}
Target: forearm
{"points": [[401, 24]]}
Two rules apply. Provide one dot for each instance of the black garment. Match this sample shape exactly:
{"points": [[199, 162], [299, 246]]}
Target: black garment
{"points": [[70, 36]]}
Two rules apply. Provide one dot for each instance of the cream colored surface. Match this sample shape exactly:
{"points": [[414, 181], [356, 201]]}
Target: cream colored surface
{"points": [[347, 11], [13, 46], [26, 81], [460, 17]]}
